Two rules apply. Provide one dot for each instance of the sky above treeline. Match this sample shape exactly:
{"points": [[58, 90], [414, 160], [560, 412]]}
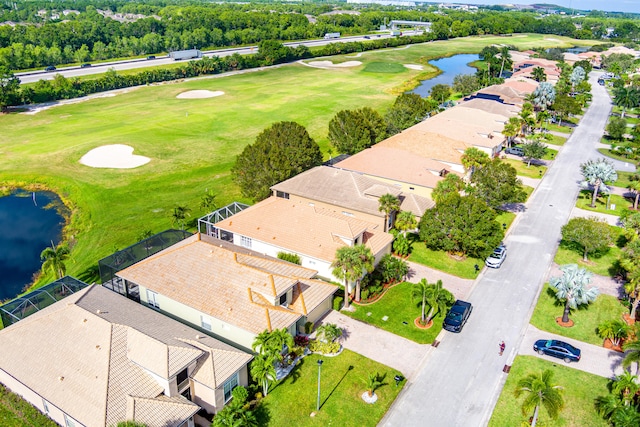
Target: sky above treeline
{"points": [[606, 5]]}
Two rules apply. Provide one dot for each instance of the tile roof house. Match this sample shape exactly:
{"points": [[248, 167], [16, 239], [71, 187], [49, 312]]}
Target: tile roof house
{"points": [[314, 233], [490, 106], [500, 93], [97, 358], [340, 189], [228, 291]]}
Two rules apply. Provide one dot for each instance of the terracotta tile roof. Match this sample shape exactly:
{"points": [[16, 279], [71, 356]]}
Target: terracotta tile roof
{"points": [[523, 84], [399, 164], [245, 286], [471, 126], [506, 94], [302, 228], [491, 107], [83, 354], [341, 188], [161, 411]]}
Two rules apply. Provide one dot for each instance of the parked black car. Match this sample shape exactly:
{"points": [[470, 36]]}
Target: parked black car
{"points": [[457, 316], [50, 68], [85, 65], [559, 349]]}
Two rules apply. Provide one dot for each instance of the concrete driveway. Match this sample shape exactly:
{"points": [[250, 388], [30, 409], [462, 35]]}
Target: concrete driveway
{"points": [[379, 345], [594, 359], [462, 379]]}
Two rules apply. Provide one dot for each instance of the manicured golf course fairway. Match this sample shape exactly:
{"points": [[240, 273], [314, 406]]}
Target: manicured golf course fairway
{"points": [[193, 143]]}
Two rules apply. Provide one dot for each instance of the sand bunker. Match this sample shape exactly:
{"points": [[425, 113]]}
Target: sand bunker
{"points": [[117, 156], [330, 64], [199, 94], [413, 66]]}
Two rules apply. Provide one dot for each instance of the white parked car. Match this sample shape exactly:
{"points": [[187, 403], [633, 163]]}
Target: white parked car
{"points": [[496, 259]]}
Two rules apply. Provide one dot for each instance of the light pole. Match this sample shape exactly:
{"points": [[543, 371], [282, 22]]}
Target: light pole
{"points": [[319, 368]]}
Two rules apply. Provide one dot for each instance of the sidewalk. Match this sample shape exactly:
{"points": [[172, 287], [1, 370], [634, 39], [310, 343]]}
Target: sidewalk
{"points": [[594, 359], [583, 213], [379, 345]]}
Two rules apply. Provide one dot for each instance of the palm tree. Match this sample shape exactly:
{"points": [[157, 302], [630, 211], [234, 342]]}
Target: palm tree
{"points": [[539, 390], [388, 203], [614, 330], [577, 76], [544, 96], [406, 221], [596, 173], [419, 292], [632, 354], [366, 261], [278, 339], [627, 416], [180, 213], [571, 287], [372, 382], [608, 405], [261, 342], [512, 129], [345, 267], [208, 201], [626, 386], [439, 299], [505, 55], [538, 74], [634, 186], [473, 158], [625, 98], [632, 288], [263, 371], [328, 332], [54, 258]]}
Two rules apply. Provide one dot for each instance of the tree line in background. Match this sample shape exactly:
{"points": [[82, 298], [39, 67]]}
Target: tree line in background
{"points": [[62, 32]]}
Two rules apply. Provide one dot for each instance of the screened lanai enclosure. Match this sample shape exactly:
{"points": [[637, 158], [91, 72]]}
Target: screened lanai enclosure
{"points": [[120, 260], [206, 223], [19, 308]]}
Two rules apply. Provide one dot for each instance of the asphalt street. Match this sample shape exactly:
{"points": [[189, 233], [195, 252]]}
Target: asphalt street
{"points": [[459, 383]]}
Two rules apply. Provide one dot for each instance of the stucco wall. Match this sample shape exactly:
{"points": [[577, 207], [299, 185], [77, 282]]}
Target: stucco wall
{"points": [[320, 310]]}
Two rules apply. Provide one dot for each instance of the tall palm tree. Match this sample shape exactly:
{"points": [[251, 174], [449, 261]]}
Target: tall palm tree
{"points": [[180, 213], [544, 96], [626, 98], [634, 186], [439, 299], [54, 258], [577, 76], [539, 390], [505, 56], [345, 266], [419, 292], [571, 287], [597, 173], [366, 261], [538, 74], [263, 371], [388, 203], [261, 342], [632, 354], [626, 386]]}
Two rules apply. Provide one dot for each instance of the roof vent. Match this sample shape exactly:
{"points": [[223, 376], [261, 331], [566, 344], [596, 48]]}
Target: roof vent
{"points": [[197, 337], [60, 378], [98, 311], [98, 347], [84, 320]]}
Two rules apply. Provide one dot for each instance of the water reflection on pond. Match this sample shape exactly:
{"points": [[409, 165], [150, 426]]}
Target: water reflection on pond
{"points": [[451, 67]]}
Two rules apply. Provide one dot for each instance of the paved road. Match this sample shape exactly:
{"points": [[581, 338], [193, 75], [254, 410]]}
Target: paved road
{"points": [[460, 382]]}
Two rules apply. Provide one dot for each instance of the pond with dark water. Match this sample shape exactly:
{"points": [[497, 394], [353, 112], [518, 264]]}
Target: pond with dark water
{"points": [[29, 222], [451, 67]]}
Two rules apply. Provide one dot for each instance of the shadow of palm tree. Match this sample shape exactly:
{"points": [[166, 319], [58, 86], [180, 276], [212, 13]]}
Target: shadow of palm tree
{"points": [[350, 368]]}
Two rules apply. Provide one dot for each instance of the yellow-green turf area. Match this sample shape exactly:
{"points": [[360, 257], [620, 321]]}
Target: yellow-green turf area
{"points": [[193, 143]]}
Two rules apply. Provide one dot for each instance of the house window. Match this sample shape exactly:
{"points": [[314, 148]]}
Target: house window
{"points": [[245, 241], [229, 386], [152, 299], [68, 421], [205, 322], [283, 299], [182, 377], [45, 404], [282, 194]]}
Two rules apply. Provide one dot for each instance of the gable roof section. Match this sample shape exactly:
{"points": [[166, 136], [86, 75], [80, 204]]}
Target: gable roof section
{"points": [[342, 188], [302, 228], [501, 93], [490, 106]]}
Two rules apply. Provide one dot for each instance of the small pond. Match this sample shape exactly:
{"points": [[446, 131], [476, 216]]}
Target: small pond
{"points": [[451, 67], [29, 222]]}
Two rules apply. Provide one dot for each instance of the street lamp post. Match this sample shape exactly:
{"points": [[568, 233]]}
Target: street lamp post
{"points": [[319, 368]]}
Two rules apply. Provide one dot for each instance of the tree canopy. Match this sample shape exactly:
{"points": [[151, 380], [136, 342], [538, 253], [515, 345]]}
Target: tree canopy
{"points": [[351, 131], [496, 183], [281, 151], [407, 110], [590, 234]]}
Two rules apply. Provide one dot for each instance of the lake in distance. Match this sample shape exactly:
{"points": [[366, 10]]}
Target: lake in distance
{"points": [[451, 67]]}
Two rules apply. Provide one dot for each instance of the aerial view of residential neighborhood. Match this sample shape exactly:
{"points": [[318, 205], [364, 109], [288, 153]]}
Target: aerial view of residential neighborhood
{"points": [[351, 213]]}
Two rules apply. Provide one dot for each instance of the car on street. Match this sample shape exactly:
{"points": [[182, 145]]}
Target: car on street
{"points": [[497, 257], [151, 57], [85, 65], [50, 68], [457, 316], [367, 37], [559, 349]]}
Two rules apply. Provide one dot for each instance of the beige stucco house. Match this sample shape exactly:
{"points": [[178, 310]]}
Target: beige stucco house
{"points": [[230, 292], [351, 192], [97, 358], [314, 233]]}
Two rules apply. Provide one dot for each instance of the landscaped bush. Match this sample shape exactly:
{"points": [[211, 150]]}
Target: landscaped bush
{"points": [[292, 258], [301, 340], [317, 346]]}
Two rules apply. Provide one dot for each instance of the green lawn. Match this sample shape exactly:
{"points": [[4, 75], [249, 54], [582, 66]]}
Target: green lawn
{"points": [[586, 317], [532, 171], [559, 128], [609, 153], [384, 67], [602, 201], [440, 260], [624, 179], [556, 140], [550, 154], [604, 263], [580, 391], [16, 412], [400, 311], [193, 143], [291, 402]]}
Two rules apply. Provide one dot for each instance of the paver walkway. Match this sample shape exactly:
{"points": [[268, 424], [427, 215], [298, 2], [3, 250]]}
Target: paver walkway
{"points": [[454, 284], [379, 345], [593, 359]]}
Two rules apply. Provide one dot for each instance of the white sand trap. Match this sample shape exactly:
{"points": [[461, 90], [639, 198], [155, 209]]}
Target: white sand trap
{"points": [[413, 66], [199, 94], [551, 39], [330, 64], [116, 156]]}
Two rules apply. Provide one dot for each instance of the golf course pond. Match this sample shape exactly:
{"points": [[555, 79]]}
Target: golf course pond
{"points": [[451, 67], [29, 222]]}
